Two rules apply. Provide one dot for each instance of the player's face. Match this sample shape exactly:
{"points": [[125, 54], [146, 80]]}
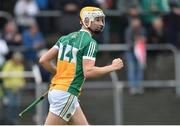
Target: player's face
{"points": [[97, 25]]}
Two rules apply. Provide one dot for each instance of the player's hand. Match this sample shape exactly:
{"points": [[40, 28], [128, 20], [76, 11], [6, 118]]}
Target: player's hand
{"points": [[117, 64]]}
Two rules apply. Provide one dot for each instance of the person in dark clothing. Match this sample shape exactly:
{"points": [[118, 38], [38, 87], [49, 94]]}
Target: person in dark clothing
{"points": [[172, 24], [134, 34], [157, 34]]}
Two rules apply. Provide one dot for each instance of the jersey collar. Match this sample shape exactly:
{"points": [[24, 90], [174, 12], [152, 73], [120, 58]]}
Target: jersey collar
{"points": [[86, 31]]}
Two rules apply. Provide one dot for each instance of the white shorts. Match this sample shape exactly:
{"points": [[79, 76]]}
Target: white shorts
{"points": [[62, 104]]}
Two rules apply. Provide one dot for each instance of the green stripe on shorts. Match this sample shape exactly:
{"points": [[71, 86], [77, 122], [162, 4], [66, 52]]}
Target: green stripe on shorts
{"points": [[68, 103]]}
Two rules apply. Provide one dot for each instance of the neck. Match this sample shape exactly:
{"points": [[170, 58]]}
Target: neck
{"points": [[87, 30]]}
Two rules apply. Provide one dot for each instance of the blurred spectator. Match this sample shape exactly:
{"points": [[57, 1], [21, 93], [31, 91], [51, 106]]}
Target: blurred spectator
{"points": [[152, 9], [174, 2], [25, 12], [12, 86], [157, 34], [131, 6], [11, 35], [33, 42], [135, 36], [3, 51], [69, 21], [105, 4], [132, 11], [42, 4], [71, 6], [64, 4], [172, 23], [43, 21]]}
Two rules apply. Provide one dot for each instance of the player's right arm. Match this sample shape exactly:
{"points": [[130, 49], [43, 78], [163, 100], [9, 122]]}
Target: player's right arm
{"points": [[46, 60]]}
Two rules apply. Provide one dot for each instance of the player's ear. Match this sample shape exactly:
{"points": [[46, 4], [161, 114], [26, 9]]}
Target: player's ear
{"points": [[86, 21], [80, 20]]}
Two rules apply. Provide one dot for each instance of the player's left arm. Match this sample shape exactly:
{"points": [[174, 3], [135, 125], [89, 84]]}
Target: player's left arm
{"points": [[89, 68], [92, 71]]}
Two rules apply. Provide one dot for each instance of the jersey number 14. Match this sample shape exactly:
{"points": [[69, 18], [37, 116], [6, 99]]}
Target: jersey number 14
{"points": [[68, 53]]}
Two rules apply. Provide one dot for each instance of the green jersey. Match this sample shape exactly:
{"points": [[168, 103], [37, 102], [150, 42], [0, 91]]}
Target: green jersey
{"points": [[72, 49]]}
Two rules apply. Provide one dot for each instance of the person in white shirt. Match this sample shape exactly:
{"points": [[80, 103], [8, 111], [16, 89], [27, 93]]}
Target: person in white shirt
{"points": [[3, 51], [25, 12]]}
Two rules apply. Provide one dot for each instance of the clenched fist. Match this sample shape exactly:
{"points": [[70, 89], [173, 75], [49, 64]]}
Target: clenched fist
{"points": [[117, 64]]}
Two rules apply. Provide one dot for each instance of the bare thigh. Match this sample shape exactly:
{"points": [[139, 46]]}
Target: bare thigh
{"points": [[78, 118], [53, 119]]}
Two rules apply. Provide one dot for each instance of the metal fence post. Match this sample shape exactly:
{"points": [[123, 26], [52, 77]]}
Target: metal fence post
{"points": [[177, 63], [40, 107], [39, 90], [117, 99]]}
